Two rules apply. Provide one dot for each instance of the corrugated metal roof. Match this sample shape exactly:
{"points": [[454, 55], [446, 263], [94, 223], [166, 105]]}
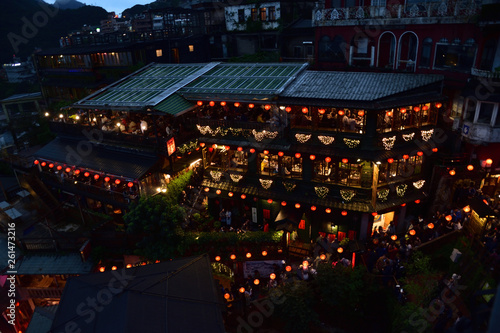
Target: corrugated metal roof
{"points": [[128, 164], [174, 105], [52, 264], [355, 86], [176, 296], [145, 87], [254, 80]]}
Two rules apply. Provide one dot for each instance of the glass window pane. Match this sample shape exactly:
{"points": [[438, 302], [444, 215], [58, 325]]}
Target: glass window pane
{"points": [[485, 113]]}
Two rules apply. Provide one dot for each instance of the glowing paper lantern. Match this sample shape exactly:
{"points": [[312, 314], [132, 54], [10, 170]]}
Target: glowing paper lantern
{"points": [[233, 257], [313, 208], [417, 201], [448, 218], [390, 160], [420, 153], [340, 250], [328, 159], [267, 107], [43, 164], [252, 150], [200, 103], [305, 110], [297, 155], [344, 213], [96, 177], [312, 157], [223, 103], [106, 179], [202, 144], [402, 110], [243, 196], [237, 104], [297, 205], [489, 161], [212, 103], [406, 157], [341, 112], [270, 201], [283, 203], [280, 154], [240, 149], [114, 268], [322, 257], [256, 282], [272, 276], [374, 214], [218, 192], [430, 226], [117, 182], [249, 255], [51, 165], [394, 237], [434, 150], [36, 162], [361, 113], [230, 194], [452, 172], [288, 268], [345, 160], [264, 253], [77, 172], [416, 109], [86, 174], [328, 210], [425, 108], [412, 232], [321, 111], [388, 113], [217, 258], [241, 290], [288, 109], [59, 167], [439, 105], [251, 106], [266, 152], [129, 266], [102, 269], [470, 167]]}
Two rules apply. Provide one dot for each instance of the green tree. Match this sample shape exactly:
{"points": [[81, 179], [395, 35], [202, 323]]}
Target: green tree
{"points": [[296, 308]]}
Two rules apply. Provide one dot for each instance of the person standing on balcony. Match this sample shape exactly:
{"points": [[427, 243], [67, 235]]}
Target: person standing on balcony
{"points": [[228, 218]]}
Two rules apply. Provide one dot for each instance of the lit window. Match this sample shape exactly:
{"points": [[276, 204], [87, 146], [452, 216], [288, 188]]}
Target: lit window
{"points": [[191, 48], [159, 53], [263, 14]]}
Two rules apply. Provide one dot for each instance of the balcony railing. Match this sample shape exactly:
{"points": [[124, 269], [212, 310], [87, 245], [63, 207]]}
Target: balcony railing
{"points": [[215, 127], [485, 73], [449, 9]]}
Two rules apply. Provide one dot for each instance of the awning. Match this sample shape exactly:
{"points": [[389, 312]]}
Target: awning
{"points": [[175, 105], [86, 154]]}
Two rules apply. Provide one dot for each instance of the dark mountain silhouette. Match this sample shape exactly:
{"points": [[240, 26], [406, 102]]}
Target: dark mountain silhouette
{"points": [[30, 24], [68, 4]]}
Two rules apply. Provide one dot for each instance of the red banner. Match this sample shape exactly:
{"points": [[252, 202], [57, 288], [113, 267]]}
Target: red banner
{"points": [[171, 146]]}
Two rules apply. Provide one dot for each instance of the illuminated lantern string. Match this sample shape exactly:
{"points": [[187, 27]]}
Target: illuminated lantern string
{"points": [[117, 182], [130, 184], [96, 177]]}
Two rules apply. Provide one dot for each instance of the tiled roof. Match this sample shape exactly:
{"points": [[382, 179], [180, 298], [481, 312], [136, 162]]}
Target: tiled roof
{"points": [[178, 296], [355, 86], [126, 163], [42, 319]]}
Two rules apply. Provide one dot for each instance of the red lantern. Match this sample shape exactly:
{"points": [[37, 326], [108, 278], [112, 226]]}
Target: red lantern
{"points": [[228, 148], [344, 213], [313, 208], [242, 290], [223, 103], [388, 113], [374, 214], [406, 157], [59, 167], [243, 196], [402, 110], [68, 170], [439, 105], [43, 164], [403, 204], [312, 157], [106, 179], [390, 160], [117, 182], [321, 111], [288, 109], [328, 159], [361, 113], [272, 276], [36, 162], [217, 258], [256, 281], [340, 250], [251, 106], [345, 160], [322, 256], [227, 296], [51, 165], [202, 144], [130, 184], [102, 269], [86, 174], [452, 172], [266, 152], [466, 209], [77, 172], [280, 154], [425, 108], [448, 218], [412, 232], [233, 256], [328, 210], [218, 192], [394, 237], [212, 103], [341, 112], [237, 104], [264, 253], [297, 155], [420, 153], [434, 150], [470, 167], [430, 226], [305, 110], [240, 149], [283, 203], [230, 194], [267, 107], [252, 150], [200, 103], [96, 176], [270, 201], [288, 268], [297, 205], [249, 255], [489, 161], [417, 201], [416, 109]]}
